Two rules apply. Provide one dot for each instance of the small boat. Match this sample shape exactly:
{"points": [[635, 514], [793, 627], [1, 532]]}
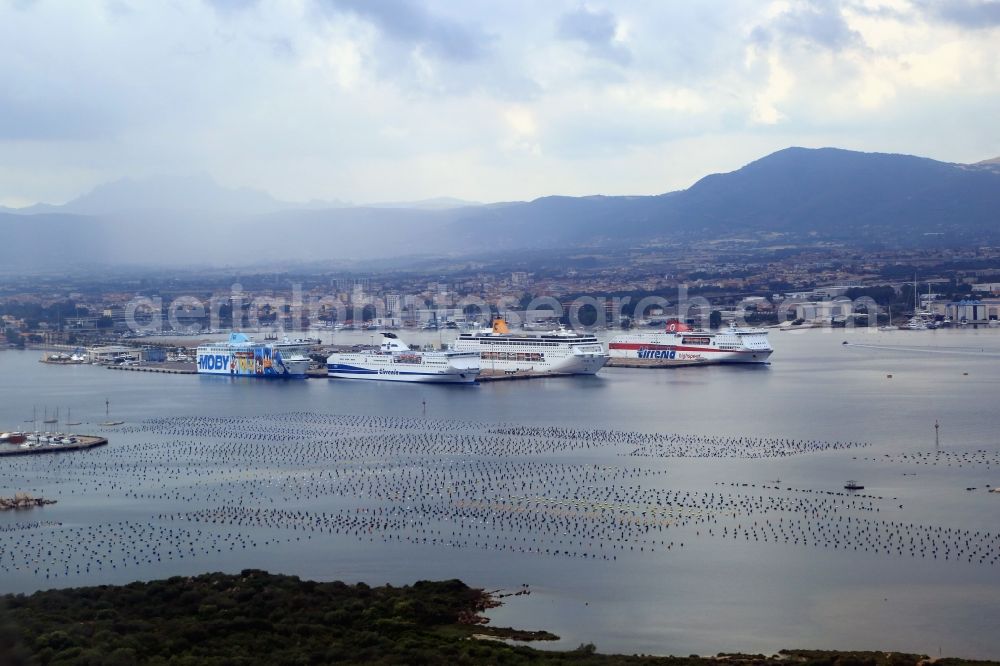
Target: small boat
{"points": [[69, 417], [888, 322], [853, 485]]}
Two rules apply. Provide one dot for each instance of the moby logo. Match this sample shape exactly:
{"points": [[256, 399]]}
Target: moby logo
{"points": [[213, 362]]}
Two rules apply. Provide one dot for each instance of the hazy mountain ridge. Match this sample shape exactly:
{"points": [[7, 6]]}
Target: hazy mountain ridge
{"points": [[987, 165], [435, 203], [798, 191], [181, 193], [827, 189]]}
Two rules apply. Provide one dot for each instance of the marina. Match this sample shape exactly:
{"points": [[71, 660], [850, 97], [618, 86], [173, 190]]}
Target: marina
{"points": [[80, 443]]}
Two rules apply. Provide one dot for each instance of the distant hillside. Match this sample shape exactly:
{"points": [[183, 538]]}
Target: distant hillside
{"points": [[178, 193], [988, 165], [800, 192], [437, 203], [831, 191]]}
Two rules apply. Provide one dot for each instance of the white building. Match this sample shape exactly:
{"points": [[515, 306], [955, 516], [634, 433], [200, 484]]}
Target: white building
{"points": [[111, 353], [826, 311], [974, 311], [987, 288]]}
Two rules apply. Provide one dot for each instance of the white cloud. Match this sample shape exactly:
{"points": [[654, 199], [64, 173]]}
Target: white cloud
{"points": [[764, 108], [521, 120], [486, 101]]}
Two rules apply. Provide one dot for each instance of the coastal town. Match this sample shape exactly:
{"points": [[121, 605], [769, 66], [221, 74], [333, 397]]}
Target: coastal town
{"points": [[634, 287]]}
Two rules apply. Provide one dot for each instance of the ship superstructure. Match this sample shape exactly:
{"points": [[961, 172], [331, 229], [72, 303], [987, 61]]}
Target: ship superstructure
{"points": [[561, 352]]}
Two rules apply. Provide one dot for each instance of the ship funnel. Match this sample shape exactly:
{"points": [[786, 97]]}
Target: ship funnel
{"points": [[391, 343], [500, 326], [674, 326]]}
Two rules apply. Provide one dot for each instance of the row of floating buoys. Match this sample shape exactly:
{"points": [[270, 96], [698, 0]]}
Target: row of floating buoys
{"points": [[243, 485]]}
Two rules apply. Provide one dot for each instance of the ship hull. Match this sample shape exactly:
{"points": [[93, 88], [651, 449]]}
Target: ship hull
{"points": [[396, 363], [672, 355], [570, 364], [734, 347], [292, 370], [555, 353], [245, 359], [349, 371]]}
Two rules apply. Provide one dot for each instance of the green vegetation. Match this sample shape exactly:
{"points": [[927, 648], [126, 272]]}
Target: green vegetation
{"points": [[260, 618]]}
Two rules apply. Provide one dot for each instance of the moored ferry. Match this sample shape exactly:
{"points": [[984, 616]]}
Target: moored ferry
{"points": [[394, 361], [239, 356], [679, 344], [559, 352]]}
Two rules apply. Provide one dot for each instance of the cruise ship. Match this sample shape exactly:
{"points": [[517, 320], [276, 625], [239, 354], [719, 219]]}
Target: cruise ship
{"points": [[679, 344], [239, 356], [394, 361], [559, 352]]}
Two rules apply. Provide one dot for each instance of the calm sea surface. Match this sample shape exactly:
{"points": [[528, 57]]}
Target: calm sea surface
{"points": [[695, 510]]}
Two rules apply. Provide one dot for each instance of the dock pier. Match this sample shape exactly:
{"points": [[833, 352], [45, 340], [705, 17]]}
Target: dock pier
{"points": [[503, 375], [650, 363], [83, 443], [162, 368]]}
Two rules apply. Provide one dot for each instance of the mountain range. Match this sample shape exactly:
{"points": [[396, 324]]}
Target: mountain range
{"points": [[800, 193]]}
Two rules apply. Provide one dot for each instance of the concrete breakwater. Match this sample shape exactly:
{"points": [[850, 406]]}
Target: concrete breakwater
{"points": [[163, 368], [650, 363]]}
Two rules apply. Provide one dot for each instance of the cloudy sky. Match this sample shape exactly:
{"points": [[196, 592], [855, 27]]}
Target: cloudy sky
{"points": [[378, 100]]}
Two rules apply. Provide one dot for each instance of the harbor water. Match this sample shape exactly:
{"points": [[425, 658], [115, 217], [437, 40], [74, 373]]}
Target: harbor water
{"points": [[691, 510]]}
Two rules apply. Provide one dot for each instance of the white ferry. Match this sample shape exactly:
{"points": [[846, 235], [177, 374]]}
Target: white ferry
{"points": [[394, 361], [561, 352], [241, 357], [678, 343]]}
